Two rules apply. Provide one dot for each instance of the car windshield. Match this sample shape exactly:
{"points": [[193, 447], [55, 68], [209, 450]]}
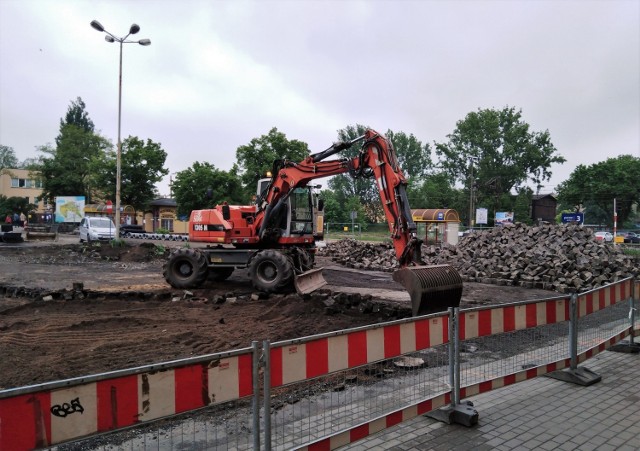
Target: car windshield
{"points": [[102, 223]]}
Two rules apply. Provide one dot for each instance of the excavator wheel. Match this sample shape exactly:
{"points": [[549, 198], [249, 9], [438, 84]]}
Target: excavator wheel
{"points": [[219, 274], [432, 288], [186, 268], [270, 271]]}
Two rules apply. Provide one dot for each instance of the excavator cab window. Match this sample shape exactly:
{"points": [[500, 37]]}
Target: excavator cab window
{"points": [[301, 211]]}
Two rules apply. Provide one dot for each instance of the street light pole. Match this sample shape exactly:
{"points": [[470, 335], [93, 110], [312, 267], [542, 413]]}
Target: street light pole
{"points": [[471, 222], [112, 38]]}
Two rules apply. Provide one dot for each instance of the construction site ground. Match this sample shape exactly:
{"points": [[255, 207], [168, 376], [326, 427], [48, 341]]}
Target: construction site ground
{"points": [[129, 316]]}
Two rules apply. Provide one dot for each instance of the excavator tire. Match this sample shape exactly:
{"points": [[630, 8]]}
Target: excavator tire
{"points": [[219, 274], [270, 271], [186, 268]]}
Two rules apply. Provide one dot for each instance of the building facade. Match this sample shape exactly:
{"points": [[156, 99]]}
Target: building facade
{"points": [[20, 183]]}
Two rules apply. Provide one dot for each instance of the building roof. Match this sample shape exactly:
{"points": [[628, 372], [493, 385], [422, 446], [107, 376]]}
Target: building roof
{"points": [[163, 202], [542, 196], [435, 215]]}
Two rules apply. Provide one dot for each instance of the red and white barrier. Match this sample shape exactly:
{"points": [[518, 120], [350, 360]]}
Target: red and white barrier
{"points": [[306, 359], [497, 320], [602, 298], [364, 430], [48, 417], [541, 370]]}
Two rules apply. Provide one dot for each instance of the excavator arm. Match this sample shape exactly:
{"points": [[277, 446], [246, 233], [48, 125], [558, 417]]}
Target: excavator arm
{"points": [[432, 288], [377, 159]]}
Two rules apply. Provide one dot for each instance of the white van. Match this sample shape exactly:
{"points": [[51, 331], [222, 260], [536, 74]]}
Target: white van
{"points": [[97, 229]]}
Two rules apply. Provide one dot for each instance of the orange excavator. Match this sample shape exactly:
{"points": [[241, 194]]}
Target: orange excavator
{"points": [[276, 238]]}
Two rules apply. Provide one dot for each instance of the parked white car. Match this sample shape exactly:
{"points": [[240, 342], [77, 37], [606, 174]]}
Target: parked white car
{"points": [[97, 229], [604, 236]]}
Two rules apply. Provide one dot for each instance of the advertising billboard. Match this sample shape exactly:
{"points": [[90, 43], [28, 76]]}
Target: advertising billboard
{"points": [[481, 216], [503, 217], [69, 208]]}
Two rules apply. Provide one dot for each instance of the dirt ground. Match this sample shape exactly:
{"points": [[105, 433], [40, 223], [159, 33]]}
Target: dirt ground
{"points": [[123, 314]]}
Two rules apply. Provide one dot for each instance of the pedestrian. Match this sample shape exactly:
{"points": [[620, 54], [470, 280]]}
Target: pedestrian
{"points": [[23, 219], [16, 218], [8, 219]]}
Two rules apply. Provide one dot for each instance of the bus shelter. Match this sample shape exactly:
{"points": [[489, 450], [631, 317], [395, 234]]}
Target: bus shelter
{"points": [[127, 212], [437, 225]]}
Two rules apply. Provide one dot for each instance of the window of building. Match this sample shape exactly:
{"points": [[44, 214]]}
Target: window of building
{"points": [[167, 224], [25, 183]]}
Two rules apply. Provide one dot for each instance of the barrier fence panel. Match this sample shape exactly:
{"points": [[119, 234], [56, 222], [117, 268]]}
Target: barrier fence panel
{"points": [[501, 342], [332, 389], [43, 415], [603, 318], [511, 343], [324, 391]]}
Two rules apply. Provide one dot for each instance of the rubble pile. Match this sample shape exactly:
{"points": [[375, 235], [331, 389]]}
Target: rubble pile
{"points": [[563, 258]]}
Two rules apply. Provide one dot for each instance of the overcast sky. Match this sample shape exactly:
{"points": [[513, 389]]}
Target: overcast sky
{"points": [[219, 73]]}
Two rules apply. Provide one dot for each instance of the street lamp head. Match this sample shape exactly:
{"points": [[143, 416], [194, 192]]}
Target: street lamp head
{"points": [[97, 25], [144, 42], [134, 29], [109, 38]]}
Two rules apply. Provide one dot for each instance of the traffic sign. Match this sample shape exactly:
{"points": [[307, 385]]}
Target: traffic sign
{"points": [[572, 217]]}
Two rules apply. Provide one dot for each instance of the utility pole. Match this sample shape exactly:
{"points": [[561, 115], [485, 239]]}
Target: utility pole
{"points": [[615, 220], [471, 222]]}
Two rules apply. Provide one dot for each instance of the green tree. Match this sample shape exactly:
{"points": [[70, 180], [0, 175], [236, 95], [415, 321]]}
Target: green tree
{"points": [[435, 191], [31, 163], [496, 151], [257, 157], [11, 205], [142, 166], [593, 189], [414, 159], [337, 209], [8, 159], [78, 116], [66, 170], [203, 186], [521, 205], [413, 156]]}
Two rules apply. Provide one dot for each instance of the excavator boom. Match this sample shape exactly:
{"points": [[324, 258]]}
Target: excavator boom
{"points": [[431, 288]]}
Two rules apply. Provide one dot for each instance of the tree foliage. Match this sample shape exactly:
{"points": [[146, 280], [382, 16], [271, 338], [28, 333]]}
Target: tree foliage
{"points": [[66, 170], [435, 191], [337, 209], [413, 156], [78, 116], [190, 188], [142, 166], [593, 189], [257, 157], [496, 149], [8, 159], [11, 205], [414, 159]]}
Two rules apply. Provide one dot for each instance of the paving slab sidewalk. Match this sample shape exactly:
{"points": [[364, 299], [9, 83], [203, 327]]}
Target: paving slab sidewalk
{"points": [[542, 413]]}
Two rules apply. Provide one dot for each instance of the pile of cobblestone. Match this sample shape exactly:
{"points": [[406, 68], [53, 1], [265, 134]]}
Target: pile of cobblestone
{"points": [[563, 258]]}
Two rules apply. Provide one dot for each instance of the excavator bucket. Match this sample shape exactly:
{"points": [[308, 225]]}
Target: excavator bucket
{"points": [[309, 281], [432, 288]]}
